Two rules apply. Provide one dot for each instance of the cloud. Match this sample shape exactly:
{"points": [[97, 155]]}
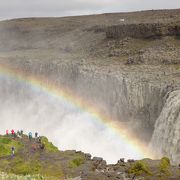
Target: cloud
{"points": [[21, 8]]}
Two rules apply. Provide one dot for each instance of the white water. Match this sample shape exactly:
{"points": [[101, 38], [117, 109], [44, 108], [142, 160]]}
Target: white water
{"points": [[166, 137]]}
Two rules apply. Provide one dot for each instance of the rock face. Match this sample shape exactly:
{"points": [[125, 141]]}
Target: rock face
{"points": [[143, 30], [165, 139], [124, 68], [128, 98]]}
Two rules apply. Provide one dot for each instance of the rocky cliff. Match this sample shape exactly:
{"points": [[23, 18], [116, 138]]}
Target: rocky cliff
{"points": [[143, 30]]}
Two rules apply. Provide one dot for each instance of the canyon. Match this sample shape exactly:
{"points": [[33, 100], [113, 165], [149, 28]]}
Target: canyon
{"points": [[129, 70]]}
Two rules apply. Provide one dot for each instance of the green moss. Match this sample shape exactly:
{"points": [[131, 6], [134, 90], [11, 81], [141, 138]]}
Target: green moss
{"points": [[28, 162], [24, 168], [21, 169], [52, 171], [3, 150], [33, 166], [4, 164], [5, 146], [139, 168], [76, 162], [5, 140], [17, 160], [49, 147], [164, 168]]}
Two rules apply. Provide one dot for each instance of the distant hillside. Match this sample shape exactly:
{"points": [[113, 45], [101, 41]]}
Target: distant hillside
{"points": [[101, 37]]}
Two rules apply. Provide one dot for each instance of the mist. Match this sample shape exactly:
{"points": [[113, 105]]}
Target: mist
{"points": [[28, 108]]}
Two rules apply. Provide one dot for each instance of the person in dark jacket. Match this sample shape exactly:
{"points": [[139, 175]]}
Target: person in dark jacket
{"points": [[36, 135], [12, 149]]}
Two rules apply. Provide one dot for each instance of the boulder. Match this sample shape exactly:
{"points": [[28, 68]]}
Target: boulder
{"points": [[130, 160], [88, 156]]}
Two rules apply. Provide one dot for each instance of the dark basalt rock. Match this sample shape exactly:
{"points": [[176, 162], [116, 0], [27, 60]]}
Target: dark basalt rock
{"points": [[143, 31]]}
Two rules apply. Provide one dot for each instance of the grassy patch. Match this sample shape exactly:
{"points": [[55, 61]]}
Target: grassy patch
{"points": [[49, 147], [8, 176], [4, 165], [6, 144], [76, 162], [5, 140], [33, 166], [3, 150], [26, 162], [52, 171], [20, 166], [164, 168], [140, 168]]}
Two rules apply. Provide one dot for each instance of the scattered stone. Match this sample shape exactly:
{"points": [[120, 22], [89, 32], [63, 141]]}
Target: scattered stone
{"points": [[88, 156], [79, 152], [130, 61], [102, 165], [130, 160], [97, 159], [122, 160]]}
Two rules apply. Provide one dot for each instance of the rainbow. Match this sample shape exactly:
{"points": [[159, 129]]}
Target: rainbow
{"points": [[66, 95]]}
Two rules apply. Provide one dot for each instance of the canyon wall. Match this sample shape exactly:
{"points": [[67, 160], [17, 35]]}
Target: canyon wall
{"points": [[143, 30], [129, 98]]}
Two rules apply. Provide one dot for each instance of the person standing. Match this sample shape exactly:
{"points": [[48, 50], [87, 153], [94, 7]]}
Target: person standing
{"points": [[36, 136], [13, 133], [18, 133], [30, 136], [7, 132], [21, 132], [13, 149]]}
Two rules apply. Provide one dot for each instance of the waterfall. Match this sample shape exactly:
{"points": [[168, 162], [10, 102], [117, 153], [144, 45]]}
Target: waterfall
{"points": [[166, 137]]}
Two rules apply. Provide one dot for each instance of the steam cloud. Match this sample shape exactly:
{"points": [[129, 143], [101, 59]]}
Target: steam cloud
{"points": [[23, 107]]}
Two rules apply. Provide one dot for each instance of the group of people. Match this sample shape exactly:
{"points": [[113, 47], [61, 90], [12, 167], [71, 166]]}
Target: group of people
{"points": [[19, 134], [30, 136], [14, 134]]}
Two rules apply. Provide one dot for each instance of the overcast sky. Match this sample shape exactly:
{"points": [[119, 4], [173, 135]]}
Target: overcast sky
{"points": [[37, 8]]}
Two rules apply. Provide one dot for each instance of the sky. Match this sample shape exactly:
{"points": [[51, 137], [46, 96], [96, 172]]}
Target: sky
{"points": [[54, 8]]}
